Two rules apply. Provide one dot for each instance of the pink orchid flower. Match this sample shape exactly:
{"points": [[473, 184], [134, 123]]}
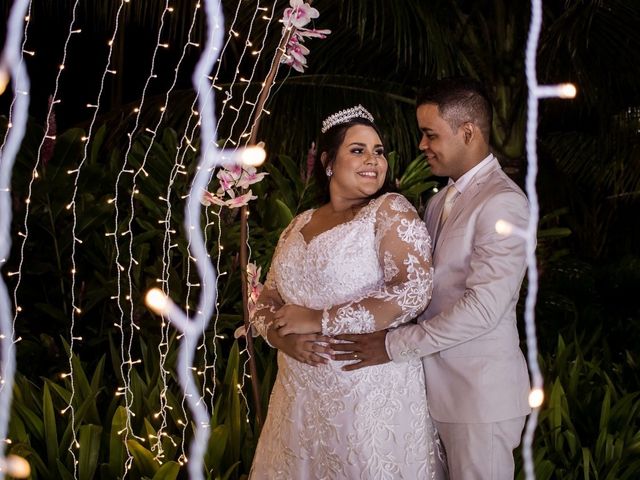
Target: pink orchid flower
{"points": [[255, 287], [227, 180], [297, 65], [312, 33], [297, 17], [250, 179], [240, 332], [297, 50], [240, 201], [209, 199], [299, 14], [235, 170]]}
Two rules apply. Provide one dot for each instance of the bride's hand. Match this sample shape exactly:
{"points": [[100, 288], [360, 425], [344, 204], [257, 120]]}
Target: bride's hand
{"points": [[297, 319], [311, 348]]}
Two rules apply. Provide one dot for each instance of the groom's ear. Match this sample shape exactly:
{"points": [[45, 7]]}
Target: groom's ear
{"points": [[469, 130]]}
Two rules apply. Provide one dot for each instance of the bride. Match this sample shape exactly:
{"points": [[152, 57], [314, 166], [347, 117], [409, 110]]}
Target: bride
{"points": [[359, 263]]}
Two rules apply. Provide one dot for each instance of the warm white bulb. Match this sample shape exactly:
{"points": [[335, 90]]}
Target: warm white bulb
{"points": [[156, 300], [536, 397], [254, 156], [4, 80], [504, 228], [16, 467], [567, 90]]}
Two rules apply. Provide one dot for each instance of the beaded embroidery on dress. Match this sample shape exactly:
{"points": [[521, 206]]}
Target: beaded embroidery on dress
{"points": [[367, 274]]}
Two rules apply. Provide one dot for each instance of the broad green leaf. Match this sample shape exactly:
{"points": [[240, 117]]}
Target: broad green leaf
{"points": [[81, 417], [117, 450], [217, 446], [605, 410], [230, 470], [168, 471], [143, 459], [63, 472], [586, 462], [558, 232], [89, 450], [284, 213], [50, 430]]}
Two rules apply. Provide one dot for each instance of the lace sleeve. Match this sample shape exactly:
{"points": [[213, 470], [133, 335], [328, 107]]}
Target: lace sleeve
{"points": [[268, 304], [269, 300], [404, 253]]}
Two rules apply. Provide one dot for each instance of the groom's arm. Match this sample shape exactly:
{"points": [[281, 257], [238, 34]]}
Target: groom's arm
{"points": [[496, 270]]}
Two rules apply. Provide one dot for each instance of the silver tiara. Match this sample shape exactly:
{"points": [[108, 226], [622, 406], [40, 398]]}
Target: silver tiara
{"points": [[344, 116]]}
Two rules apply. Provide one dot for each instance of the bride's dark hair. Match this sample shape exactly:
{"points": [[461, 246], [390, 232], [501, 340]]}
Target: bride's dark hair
{"points": [[329, 143]]}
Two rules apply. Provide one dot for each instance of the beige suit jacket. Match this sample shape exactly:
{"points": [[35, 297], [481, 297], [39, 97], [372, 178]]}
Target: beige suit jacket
{"points": [[467, 337]]}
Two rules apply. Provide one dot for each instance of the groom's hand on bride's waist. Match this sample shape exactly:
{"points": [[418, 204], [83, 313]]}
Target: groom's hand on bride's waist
{"points": [[365, 350]]}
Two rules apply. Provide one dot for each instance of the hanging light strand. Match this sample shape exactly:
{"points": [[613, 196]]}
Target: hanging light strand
{"points": [[48, 138], [191, 329], [187, 145], [16, 307], [536, 92], [126, 391], [11, 67]]}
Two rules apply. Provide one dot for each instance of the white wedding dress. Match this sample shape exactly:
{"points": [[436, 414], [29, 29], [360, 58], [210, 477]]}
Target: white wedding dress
{"points": [[371, 273]]}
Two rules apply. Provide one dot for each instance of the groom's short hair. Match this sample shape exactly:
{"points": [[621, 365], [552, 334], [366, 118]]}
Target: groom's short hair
{"points": [[459, 100]]}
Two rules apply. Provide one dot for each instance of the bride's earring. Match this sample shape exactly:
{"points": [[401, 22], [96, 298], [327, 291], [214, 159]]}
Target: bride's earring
{"points": [[328, 171]]}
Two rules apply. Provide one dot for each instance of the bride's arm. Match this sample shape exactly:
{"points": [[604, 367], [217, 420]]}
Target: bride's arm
{"points": [[404, 252], [267, 305], [304, 348]]}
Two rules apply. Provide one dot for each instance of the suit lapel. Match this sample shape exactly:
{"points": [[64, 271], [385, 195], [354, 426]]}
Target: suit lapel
{"points": [[432, 215], [465, 198]]}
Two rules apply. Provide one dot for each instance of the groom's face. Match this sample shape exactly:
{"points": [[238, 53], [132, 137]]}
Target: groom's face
{"points": [[444, 148]]}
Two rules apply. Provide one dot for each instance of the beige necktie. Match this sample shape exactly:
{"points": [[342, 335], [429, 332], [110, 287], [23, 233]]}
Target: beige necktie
{"points": [[449, 200]]}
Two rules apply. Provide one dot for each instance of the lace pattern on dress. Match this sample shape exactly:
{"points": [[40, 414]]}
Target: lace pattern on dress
{"points": [[390, 267]]}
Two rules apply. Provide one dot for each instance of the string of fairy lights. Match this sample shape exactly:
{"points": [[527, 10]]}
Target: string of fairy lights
{"points": [[257, 53], [191, 329], [48, 136], [128, 330], [163, 345], [127, 361], [107, 71], [11, 68], [74, 445], [186, 145], [536, 92], [25, 233]]}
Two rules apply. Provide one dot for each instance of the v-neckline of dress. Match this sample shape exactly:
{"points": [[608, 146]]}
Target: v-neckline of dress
{"points": [[335, 227]]}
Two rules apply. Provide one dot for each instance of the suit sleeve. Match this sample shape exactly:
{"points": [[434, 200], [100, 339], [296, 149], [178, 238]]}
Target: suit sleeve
{"points": [[496, 270], [404, 254]]}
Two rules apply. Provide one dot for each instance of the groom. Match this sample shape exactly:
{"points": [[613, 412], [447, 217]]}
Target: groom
{"points": [[476, 375]]}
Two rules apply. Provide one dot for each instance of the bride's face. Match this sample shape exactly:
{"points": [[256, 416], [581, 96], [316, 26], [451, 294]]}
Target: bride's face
{"points": [[360, 166]]}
